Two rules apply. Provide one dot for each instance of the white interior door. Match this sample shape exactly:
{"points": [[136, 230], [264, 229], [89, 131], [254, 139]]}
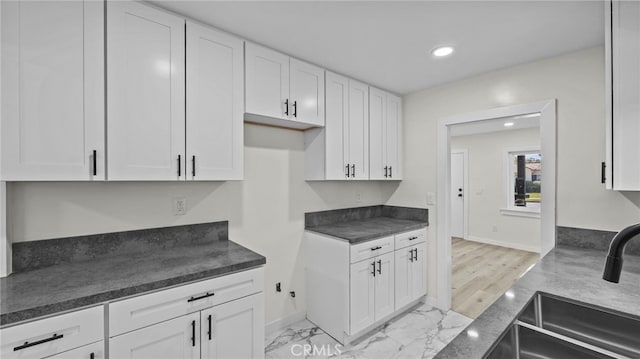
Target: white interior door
{"points": [[458, 173]]}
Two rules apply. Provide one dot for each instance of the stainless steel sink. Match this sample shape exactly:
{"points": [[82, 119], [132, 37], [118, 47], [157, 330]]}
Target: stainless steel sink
{"points": [[556, 327]]}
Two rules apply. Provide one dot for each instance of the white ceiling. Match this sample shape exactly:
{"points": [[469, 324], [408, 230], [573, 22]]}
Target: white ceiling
{"points": [[388, 43]]}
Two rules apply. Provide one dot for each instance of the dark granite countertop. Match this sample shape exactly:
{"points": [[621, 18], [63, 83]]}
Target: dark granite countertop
{"points": [[566, 271], [367, 229], [362, 224], [57, 288]]}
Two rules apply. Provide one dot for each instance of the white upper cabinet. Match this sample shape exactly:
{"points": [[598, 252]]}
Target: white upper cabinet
{"points": [[385, 116], [215, 99], [145, 93], [282, 91], [622, 20], [340, 150], [52, 90]]}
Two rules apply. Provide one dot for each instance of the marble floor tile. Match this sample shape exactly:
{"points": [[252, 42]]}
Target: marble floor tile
{"points": [[420, 333]]}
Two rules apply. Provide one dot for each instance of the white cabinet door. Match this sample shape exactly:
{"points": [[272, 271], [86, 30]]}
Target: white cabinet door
{"points": [[215, 88], [626, 94], [358, 130], [379, 166], [385, 116], [145, 93], [404, 266], [267, 82], [384, 285], [52, 90], [91, 351], [174, 339], [336, 126], [307, 92], [234, 330], [361, 298], [418, 274], [393, 137]]}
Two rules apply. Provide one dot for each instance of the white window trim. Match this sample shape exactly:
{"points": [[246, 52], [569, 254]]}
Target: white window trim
{"points": [[509, 209]]}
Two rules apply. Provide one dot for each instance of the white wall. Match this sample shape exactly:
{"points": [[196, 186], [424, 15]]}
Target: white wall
{"points": [[576, 80], [486, 193], [265, 211]]}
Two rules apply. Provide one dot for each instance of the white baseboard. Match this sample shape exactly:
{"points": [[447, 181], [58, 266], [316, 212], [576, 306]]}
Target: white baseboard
{"points": [[284, 322], [522, 247]]}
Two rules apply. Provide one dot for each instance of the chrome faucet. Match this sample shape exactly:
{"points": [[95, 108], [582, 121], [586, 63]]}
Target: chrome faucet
{"points": [[613, 266]]}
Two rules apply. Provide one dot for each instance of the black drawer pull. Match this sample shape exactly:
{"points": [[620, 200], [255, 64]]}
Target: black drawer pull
{"points": [[207, 295], [412, 238], [28, 345], [376, 248]]}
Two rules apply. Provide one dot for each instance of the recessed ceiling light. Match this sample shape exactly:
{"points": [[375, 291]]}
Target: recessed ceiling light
{"points": [[442, 51], [508, 124]]}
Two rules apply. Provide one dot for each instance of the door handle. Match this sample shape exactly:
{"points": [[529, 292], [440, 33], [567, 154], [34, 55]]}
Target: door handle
{"points": [[193, 166], [347, 167], [286, 107], [193, 333], [51, 338], [95, 163], [374, 268], [459, 194], [295, 108], [416, 254], [390, 171], [386, 168], [411, 255], [207, 295], [379, 266], [353, 171], [179, 166], [209, 332]]}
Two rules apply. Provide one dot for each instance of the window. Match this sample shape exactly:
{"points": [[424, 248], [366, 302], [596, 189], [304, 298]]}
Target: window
{"points": [[523, 179]]}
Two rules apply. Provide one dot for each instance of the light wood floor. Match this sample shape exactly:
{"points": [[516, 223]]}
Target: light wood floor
{"points": [[481, 273]]}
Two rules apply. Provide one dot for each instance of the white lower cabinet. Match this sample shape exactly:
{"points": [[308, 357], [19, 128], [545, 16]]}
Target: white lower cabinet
{"points": [[174, 339], [234, 329], [221, 317], [56, 336], [411, 273], [357, 287]]}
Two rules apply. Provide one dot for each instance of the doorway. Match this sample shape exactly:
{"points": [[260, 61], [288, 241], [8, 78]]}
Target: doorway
{"points": [[546, 111]]}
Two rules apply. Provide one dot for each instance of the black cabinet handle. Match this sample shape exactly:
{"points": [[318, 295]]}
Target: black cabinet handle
{"points": [[603, 173], [353, 171], [379, 266], [28, 345], [374, 268], [376, 248], [207, 295], [386, 168], [411, 255], [92, 356], [412, 238], [295, 108], [209, 332], [193, 333], [179, 166], [95, 163], [347, 167], [416, 254], [193, 166], [390, 172], [286, 107]]}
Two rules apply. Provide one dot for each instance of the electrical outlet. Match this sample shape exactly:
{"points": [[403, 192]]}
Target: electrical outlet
{"points": [[179, 206], [358, 197], [431, 198]]}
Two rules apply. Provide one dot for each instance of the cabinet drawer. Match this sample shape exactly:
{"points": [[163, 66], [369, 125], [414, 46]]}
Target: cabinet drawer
{"points": [[371, 249], [410, 238], [54, 335], [91, 351], [148, 309]]}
